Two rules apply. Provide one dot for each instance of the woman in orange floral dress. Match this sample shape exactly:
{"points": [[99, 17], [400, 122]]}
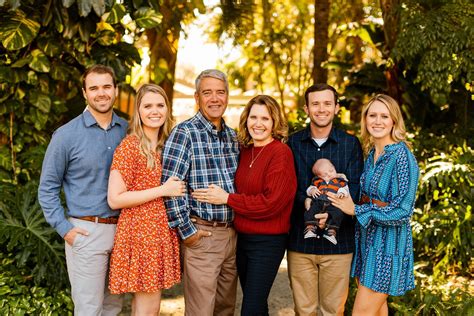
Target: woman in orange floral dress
{"points": [[145, 257]]}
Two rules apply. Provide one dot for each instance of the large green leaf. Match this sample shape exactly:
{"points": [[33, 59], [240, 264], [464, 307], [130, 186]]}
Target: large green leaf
{"points": [[59, 71], [99, 7], [49, 47], [40, 100], [116, 14], [84, 7], [148, 18], [17, 31], [21, 62], [40, 61], [160, 71]]}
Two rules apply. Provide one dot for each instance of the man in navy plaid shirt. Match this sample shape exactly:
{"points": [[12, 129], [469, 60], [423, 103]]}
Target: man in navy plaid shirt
{"points": [[202, 151], [319, 270]]}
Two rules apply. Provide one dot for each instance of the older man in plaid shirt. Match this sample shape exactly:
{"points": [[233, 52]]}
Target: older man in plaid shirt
{"points": [[202, 151]]}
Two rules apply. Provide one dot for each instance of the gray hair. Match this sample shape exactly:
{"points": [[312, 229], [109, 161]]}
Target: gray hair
{"points": [[212, 73]]}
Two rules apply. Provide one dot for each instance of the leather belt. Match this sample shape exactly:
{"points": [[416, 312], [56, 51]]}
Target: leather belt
{"points": [[101, 220], [203, 222], [365, 199]]}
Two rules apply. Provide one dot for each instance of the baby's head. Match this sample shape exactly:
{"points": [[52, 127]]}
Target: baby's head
{"points": [[324, 169]]}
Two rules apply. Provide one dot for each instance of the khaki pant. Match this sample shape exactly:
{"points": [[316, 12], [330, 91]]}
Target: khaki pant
{"points": [[87, 266], [210, 274], [320, 283]]}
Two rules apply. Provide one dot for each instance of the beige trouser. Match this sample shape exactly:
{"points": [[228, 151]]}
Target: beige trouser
{"points": [[320, 283], [210, 273], [87, 266]]}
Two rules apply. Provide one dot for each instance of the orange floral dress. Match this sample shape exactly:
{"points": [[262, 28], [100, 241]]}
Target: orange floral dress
{"points": [[145, 257]]}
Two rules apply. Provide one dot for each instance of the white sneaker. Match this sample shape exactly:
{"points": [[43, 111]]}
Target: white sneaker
{"points": [[310, 234], [330, 238]]}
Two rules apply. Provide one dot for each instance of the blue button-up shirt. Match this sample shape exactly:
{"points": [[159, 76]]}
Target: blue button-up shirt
{"points": [[78, 159], [200, 155], [345, 152]]}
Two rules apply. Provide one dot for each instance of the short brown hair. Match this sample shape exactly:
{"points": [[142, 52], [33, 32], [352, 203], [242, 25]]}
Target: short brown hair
{"points": [[99, 69], [280, 125]]}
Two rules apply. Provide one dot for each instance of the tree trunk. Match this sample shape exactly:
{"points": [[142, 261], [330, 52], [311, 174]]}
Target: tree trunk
{"points": [[321, 37], [163, 43], [357, 13], [391, 19]]}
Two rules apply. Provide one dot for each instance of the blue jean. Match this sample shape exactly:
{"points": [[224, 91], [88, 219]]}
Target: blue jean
{"points": [[258, 260]]}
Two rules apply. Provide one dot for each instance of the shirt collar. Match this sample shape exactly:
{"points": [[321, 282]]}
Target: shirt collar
{"points": [[89, 120], [332, 135], [208, 125]]}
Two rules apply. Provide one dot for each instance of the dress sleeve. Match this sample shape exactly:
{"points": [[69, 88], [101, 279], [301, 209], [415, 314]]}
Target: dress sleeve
{"points": [[404, 182], [279, 189], [125, 156]]}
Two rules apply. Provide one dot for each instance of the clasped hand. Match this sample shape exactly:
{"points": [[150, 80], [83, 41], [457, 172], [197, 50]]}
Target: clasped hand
{"points": [[174, 187], [213, 194], [345, 204]]}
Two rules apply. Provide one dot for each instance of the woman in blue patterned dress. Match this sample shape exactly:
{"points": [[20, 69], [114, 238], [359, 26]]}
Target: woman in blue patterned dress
{"points": [[383, 259]]}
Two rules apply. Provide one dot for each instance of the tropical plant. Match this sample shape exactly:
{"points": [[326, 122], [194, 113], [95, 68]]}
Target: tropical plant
{"points": [[44, 48], [443, 221], [19, 295], [29, 239]]}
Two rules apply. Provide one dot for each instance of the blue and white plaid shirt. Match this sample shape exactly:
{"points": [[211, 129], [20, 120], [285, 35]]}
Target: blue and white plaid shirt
{"points": [[199, 154]]}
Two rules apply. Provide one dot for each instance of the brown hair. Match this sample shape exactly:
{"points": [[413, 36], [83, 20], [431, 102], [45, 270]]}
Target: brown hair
{"points": [[320, 87], [280, 125], [99, 69], [398, 133], [136, 127]]}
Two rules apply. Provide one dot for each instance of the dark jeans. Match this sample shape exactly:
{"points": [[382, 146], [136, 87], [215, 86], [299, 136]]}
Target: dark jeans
{"points": [[258, 260], [324, 206]]}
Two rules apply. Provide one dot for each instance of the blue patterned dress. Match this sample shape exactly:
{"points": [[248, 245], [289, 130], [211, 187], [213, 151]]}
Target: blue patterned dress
{"points": [[383, 259]]}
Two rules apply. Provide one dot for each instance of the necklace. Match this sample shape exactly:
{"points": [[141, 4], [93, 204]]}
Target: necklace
{"points": [[253, 159]]}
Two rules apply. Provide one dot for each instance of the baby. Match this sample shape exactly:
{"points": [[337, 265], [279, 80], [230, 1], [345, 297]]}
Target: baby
{"points": [[326, 180]]}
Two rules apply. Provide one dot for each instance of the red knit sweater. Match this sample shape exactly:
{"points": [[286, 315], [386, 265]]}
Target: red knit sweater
{"points": [[266, 191]]}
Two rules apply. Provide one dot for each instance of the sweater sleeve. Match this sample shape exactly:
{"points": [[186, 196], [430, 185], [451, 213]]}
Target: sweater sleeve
{"points": [[279, 189]]}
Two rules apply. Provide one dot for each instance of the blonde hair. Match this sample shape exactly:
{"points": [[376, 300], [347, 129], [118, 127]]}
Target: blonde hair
{"points": [[280, 125], [398, 133], [136, 125]]}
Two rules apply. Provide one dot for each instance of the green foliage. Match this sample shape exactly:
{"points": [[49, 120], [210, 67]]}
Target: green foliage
{"points": [[25, 233], [443, 218], [435, 42], [431, 297], [19, 295], [45, 47]]}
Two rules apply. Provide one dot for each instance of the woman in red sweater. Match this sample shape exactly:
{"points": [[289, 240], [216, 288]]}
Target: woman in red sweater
{"points": [[266, 184]]}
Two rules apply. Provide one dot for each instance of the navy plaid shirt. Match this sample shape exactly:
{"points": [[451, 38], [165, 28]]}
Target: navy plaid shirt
{"points": [[345, 152], [200, 155]]}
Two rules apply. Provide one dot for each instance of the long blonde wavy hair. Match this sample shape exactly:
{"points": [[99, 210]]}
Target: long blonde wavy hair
{"points": [[398, 133], [136, 125], [280, 125]]}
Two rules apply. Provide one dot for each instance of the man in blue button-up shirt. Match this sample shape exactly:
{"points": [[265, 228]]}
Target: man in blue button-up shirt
{"points": [[319, 270], [203, 151], [78, 160]]}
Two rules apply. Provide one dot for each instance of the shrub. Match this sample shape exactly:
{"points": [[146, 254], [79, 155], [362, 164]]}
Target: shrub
{"points": [[28, 238], [19, 295]]}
